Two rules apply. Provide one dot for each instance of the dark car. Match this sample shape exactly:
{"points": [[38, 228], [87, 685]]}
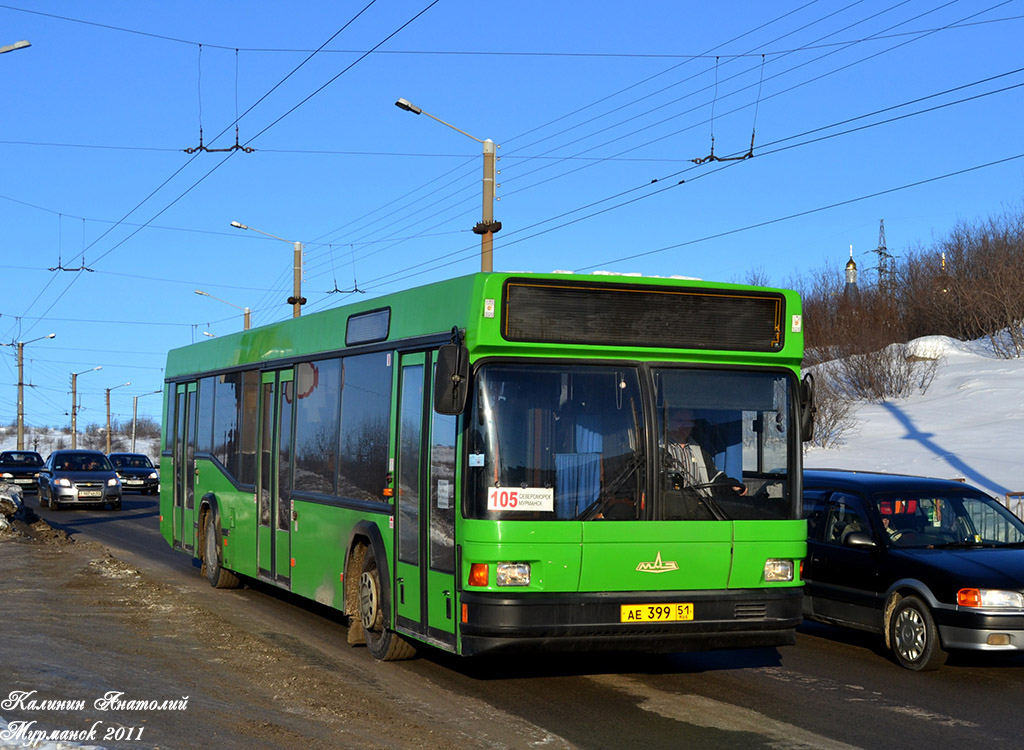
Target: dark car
{"points": [[79, 477], [21, 468], [136, 472], [931, 564]]}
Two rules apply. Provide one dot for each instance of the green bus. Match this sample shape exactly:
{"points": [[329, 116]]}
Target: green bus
{"points": [[492, 463]]}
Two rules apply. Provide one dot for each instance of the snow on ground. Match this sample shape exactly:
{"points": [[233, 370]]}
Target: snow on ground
{"points": [[969, 424]]}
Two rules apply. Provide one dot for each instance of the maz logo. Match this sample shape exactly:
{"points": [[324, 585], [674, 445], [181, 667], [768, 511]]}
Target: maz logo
{"points": [[657, 566]]}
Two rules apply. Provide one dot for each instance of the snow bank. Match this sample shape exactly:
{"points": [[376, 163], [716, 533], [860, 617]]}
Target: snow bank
{"points": [[968, 424]]}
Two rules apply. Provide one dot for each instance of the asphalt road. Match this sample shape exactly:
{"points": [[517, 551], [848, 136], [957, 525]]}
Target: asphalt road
{"points": [[834, 689]]}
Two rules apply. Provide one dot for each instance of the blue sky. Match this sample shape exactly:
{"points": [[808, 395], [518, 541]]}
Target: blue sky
{"points": [[598, 110]]}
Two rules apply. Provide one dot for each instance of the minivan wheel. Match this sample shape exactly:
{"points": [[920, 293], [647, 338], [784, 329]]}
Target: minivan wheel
{"points": [[914, 637]]}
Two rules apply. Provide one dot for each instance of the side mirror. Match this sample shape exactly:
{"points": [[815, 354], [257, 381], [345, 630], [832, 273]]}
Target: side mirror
{"points": [[451, 379], [859, 539], [807, 408]]}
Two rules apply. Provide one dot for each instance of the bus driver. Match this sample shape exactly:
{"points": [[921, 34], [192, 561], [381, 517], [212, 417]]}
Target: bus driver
{"points": [[688, 464]]}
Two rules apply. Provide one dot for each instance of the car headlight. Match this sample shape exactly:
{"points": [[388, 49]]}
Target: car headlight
{"points": [[7, 475], [63, 482], [153, 475], [778, 571], [113, 482], [513, 574], [990, 598]]}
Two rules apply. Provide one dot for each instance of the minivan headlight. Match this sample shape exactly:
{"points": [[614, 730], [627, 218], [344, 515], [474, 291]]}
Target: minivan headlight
{"points": [[990, 598]]}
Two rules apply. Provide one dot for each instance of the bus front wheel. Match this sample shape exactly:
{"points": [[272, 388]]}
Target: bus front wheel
{"points": [[381, 641], [214, 571]]}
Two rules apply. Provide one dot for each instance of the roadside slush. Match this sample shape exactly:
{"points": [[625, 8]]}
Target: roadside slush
{"points": [[89, 641]]}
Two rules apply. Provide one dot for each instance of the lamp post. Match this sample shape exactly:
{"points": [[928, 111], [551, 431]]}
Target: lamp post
{"points": [[74, 403], [296, 300], [108, 410], [135, 413], [21, 384], [246, 313], [17, 45], [487, 226]]}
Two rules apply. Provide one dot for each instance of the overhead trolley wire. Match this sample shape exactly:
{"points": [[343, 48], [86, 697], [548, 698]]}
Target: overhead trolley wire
{"points": [[771, 96], [462, 53], [460, 255]]}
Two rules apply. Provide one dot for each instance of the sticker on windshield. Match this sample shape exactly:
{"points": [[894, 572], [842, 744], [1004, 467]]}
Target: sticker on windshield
{"points": [[520, 498]]}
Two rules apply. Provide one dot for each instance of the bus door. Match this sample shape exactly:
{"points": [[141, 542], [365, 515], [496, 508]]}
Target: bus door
{"points": [[274, 477], [424, 591], [185, 466]]}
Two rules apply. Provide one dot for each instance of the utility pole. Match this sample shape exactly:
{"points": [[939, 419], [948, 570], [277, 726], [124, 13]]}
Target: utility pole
{"points": [[296, 300], [108, 411], [135, 413], [74, 403], [487, 226], [21, 395], [21, 385]]}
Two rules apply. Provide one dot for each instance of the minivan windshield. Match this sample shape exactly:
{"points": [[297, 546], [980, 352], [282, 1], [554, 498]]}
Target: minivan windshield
{"points": [[966, 519]]}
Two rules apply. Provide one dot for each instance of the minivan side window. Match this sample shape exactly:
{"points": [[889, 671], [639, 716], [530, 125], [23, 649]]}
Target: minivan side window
{"points": [[845, 516]]}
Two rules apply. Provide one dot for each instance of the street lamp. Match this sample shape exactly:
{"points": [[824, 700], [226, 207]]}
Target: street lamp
{"points": [[21, 385], [487, 226], [135, 413], [74, 402], [108, 410], [296, 300], [246, 314], [17, 45]]}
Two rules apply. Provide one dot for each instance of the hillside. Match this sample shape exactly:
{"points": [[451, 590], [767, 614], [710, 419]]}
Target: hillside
{"points": [[968, 424]]}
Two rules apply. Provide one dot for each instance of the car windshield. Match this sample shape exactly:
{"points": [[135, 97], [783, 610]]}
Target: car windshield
{"points": [[947, 520], [131, 462], [16, 458], [81, 462]]}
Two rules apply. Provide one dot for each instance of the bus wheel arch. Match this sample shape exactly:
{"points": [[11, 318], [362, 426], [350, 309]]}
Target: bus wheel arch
{"points": [[211, 545], [368, 596]]}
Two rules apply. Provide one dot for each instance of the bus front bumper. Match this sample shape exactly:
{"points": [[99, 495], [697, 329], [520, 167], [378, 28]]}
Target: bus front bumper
{"points": [[499, 622]]}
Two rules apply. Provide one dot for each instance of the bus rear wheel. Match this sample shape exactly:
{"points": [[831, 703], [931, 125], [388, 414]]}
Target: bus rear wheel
{"points": [[214, 571], [382, 642]]}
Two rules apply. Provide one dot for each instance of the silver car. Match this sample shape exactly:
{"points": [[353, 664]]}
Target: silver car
{"points": [[79, 477]]}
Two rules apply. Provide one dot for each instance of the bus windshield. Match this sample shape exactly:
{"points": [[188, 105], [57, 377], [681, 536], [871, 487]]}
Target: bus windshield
{"points": [[572, 442]]}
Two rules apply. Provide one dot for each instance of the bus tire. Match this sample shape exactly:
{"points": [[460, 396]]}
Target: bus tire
{"points": [[215, 573], [384, 643]]}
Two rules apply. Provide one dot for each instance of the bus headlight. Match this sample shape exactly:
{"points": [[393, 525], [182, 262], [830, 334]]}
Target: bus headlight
{"points": [[778, 571], [513, 574]]}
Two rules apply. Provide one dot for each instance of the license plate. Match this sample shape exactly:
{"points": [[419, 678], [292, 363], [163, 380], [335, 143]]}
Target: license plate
{"points": [[24, 481], [133, 481], [656, 612], [90, 493]]}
